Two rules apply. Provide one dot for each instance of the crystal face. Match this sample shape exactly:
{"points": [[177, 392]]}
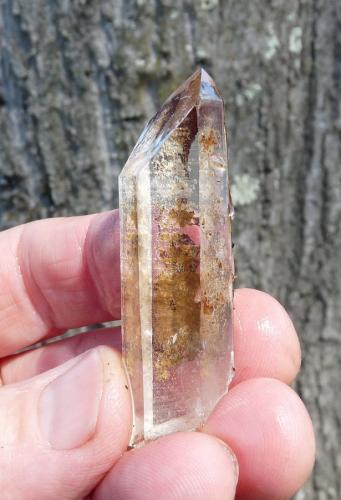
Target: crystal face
{"points": [[176, 263]]}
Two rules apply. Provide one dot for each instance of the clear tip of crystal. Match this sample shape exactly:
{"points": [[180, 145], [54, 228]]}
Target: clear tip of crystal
{"points": [[208, 87]]}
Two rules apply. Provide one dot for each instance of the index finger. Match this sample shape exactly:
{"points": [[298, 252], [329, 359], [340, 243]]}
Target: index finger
{"points": [[57, 274]]}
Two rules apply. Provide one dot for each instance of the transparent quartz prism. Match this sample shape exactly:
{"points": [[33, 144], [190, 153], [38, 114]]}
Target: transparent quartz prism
{"points": [[176, 263]]}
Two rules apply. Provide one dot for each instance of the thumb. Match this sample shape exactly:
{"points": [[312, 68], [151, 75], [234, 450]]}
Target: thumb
{"points": [[61, 431]]}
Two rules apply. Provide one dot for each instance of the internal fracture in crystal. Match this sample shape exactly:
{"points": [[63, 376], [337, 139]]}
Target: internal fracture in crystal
{"points": [[176, 263]]}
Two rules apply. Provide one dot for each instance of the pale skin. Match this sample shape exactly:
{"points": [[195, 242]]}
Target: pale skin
{"points": [[65, 414]]}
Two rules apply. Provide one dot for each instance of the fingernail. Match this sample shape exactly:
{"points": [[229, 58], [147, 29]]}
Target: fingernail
{"points": [[68, 406], [232, 458]]}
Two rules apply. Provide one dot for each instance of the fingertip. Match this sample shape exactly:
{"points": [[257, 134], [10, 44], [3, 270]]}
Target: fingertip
{"points": [[265, 340], [271, 433], [183, 465]]}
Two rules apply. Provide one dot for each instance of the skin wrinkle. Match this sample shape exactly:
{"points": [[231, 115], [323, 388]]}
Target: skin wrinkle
{"points": [[41, 307], [282, 423], [82, 248], [11, 269], [8, 295], [82, 271], [104, 228], [25, 318], [90, 256]]}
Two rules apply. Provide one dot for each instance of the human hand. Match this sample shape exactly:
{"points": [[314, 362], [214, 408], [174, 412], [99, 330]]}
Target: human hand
{"points": [[65, 415]]}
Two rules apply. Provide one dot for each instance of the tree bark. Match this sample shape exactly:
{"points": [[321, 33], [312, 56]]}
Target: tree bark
{"points": [[79, 78]]}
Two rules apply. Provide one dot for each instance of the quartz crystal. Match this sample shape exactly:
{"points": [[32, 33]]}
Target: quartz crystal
{"points": [[176, 263]]}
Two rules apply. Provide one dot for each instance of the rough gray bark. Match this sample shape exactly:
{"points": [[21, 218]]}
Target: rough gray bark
{"points": [[78, 80]]}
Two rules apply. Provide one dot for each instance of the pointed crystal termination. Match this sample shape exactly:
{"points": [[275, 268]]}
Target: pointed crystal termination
{"points": [[176, 263]]}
